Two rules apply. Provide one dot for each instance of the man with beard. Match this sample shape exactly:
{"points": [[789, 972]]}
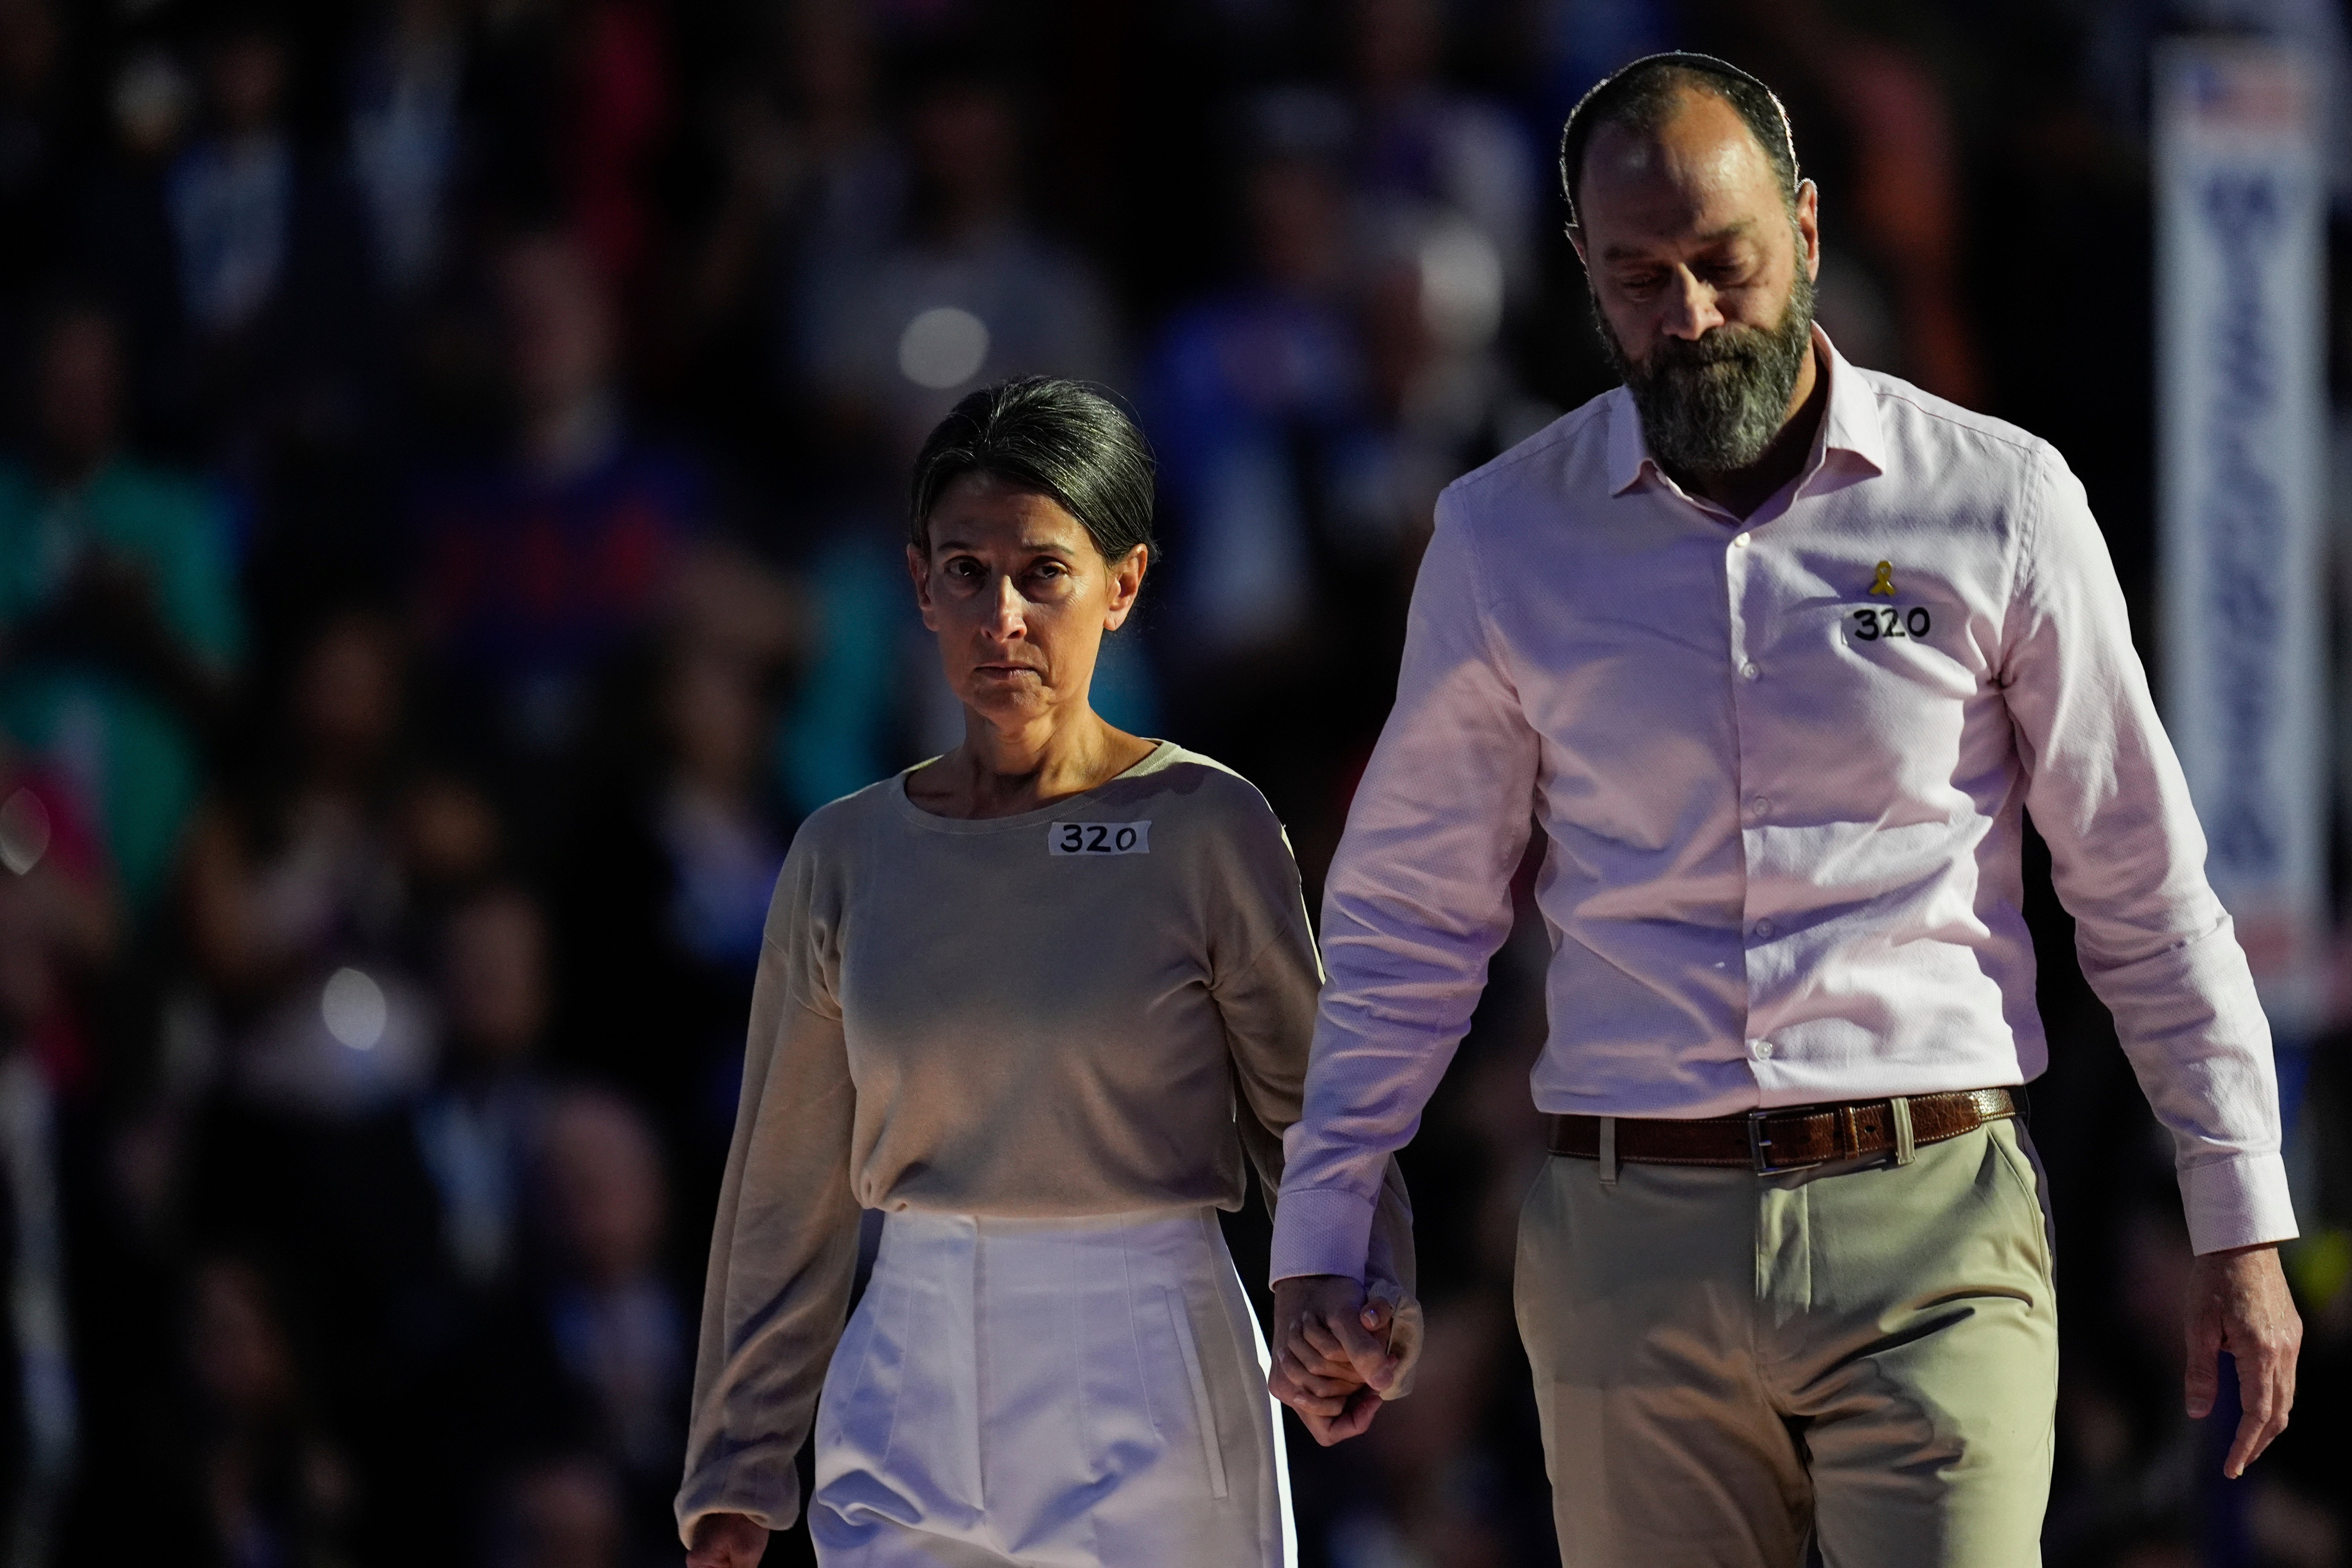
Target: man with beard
{"points": [[1778, 651]]}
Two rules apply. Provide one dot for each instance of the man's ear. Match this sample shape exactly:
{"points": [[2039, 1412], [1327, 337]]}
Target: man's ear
{"points": [[1808, 226]]}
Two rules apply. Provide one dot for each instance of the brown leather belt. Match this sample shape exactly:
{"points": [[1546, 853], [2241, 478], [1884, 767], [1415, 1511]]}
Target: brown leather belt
{"points": [[1788, 1139]]}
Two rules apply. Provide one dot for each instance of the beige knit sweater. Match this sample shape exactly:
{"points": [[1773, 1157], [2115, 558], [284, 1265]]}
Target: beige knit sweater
{"points": [[1092, 1008]]}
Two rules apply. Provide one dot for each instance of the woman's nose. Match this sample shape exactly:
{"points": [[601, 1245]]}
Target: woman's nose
{"points": [[1005, 611]]}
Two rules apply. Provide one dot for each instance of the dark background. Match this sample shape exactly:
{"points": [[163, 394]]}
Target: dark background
{"points": [[448, 537]]}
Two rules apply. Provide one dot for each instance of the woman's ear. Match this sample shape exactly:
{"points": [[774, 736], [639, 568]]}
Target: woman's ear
{"points": [[1125, 583], [918, 567]]}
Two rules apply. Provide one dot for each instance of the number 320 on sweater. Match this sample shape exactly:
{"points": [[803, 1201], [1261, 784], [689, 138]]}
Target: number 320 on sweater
{"points": [[1098, 838]]}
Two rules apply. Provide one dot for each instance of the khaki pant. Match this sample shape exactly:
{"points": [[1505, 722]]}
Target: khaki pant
{"points": [[1862, 1351]]}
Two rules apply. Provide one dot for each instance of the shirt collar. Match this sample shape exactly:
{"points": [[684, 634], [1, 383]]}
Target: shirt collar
{"points": [[1850, 425]]}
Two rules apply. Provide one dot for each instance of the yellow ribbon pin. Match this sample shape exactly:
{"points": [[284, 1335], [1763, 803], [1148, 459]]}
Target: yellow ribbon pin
{"points": [[1885, 584]]}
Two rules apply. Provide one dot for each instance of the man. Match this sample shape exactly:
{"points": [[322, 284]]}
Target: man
{"points": [[1780, 651]]}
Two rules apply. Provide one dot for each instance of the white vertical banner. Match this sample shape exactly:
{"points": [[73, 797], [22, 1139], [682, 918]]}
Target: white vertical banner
{"points": [[2241, 335]]}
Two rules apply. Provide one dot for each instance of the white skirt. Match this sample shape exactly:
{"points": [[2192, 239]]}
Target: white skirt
{"points": [[1067, 1392]]}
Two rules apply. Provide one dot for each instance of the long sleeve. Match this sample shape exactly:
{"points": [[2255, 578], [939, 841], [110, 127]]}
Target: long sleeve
{"points": [[1417, 902], [2106, 791], [784, 1250], [1267, 1005]]}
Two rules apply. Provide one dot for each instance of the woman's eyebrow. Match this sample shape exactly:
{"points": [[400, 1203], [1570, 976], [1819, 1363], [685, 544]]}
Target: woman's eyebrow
{"points": [[1026, 546]]}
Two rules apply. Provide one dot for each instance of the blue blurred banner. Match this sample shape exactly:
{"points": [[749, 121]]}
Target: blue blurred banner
{"points": [[2240, 330]]}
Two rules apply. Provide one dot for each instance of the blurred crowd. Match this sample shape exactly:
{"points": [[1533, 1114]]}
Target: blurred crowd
{"points": [[451, 456]]}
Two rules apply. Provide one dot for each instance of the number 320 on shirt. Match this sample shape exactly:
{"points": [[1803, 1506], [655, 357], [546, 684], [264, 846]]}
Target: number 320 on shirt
{"points": [[1098, 838], [1873, 622]]}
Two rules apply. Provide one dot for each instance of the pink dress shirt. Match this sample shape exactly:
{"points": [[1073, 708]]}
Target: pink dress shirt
{"points": [[1783, 765]]}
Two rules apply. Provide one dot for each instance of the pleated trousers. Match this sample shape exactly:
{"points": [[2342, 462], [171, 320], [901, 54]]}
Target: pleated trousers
{"points": [[1053, 1393]]}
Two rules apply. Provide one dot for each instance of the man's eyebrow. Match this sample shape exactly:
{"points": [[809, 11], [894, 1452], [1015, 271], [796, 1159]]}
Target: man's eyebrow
{"points": [[1740, 230]]}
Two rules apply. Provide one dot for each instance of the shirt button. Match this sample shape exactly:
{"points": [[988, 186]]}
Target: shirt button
{"points": [[1750, 671], [1762, 1049], [1759, 807], [1765, 928], [1739, 542]]}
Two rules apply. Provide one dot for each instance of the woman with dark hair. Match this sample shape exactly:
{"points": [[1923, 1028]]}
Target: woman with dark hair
{"points": [[1034, 1000]]}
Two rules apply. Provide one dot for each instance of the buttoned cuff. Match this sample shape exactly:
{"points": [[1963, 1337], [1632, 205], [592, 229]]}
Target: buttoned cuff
{"points": [[1320, 1230], [2237, 1202]]}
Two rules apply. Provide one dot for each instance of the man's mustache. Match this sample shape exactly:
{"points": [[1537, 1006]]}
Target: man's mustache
{"points": [[1723, 345]]}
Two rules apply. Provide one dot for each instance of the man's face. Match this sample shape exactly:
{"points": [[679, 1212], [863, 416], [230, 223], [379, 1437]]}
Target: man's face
{"points": [[1702, 281]]}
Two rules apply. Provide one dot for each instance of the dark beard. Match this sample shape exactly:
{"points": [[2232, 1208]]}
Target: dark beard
{"points": [[1711, 407]]}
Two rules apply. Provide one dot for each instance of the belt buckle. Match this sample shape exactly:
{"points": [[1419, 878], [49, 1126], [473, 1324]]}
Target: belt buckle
{"points": [[1758, 1145]]}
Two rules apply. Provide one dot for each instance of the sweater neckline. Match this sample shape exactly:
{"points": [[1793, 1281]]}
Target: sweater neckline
{"points": [[1161, 753]]}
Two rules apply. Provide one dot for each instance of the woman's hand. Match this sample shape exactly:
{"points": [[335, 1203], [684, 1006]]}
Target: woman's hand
{"points": [[727, 1540], [1330, 1360]]}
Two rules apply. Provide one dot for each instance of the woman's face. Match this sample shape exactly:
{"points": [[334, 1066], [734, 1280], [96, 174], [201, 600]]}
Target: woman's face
{"points": [[1020, 598]]}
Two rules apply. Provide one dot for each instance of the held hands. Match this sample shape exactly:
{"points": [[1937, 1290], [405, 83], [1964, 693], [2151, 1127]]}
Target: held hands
{"points": [[1333, 1359], [2238, 1302], [727, 1540]]}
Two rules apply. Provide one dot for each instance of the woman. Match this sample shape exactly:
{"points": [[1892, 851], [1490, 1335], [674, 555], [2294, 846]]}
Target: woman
{"points": [[1030, 999]]}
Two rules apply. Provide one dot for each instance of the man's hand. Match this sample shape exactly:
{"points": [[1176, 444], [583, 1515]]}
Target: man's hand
{"points": [[727, 1540], [2238, 1301], [1331, 1357]]}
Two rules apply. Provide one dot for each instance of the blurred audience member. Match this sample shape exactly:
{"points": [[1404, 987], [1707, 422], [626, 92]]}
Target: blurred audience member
{"points": [[120, 240], [1423, 145], [295, 891], [722, 850], [1442, 397], [664, 900], [262, 247], [847, 721], [1252, 398], [232, 194], [59, 923], [536, 568], [617, 57], [35, 125], [276, 1488], [620, 1334], [563, 1513], [405, 138], [118, 596], [450, 841], [811, 177], [57, 928], [479, 1131], [970, 294]]}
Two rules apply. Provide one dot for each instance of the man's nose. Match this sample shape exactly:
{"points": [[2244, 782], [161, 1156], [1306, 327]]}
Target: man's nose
{"points": [[1690, 310]]}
